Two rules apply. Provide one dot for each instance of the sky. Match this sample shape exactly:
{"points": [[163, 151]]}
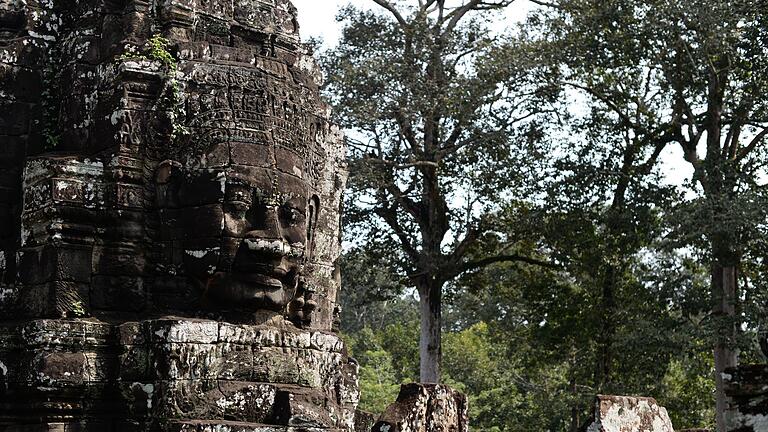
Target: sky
{"points": [[317, 20], [317, 17]]}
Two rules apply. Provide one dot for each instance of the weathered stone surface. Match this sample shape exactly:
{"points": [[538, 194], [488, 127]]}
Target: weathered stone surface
{"points": [[747, 390], [629, 414], [255, 375], [425, 408], [364, 421], [170, 186]]}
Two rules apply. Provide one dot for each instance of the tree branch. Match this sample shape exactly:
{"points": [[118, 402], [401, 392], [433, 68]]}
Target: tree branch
{"points": [[390, 217], [457, 14], [393, 10], [755, 141], [485, 262]]}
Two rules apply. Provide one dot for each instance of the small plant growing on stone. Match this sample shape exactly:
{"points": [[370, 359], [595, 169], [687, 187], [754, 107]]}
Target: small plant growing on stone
{"points": [[156, 49], [78, 309], [51, 139]]}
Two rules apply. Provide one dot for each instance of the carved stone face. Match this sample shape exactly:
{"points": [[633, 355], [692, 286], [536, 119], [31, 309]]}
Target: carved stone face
{"points": [[245, 230], [244, 214]]}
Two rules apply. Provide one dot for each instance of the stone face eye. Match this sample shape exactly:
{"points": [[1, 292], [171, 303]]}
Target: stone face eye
{"points": [[257, 215], [292, 216], [238, 208]]}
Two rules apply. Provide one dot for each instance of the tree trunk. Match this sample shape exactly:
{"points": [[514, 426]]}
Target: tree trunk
{"points": [[724, 310], [575, 408], [430, 342], [607, 328]]}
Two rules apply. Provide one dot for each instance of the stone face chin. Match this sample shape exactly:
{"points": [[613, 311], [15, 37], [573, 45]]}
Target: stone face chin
{"points": [[170, 186]]}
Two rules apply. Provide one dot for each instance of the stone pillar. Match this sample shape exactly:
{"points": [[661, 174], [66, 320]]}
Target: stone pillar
{"points": [[425, 408], [747, 390]]}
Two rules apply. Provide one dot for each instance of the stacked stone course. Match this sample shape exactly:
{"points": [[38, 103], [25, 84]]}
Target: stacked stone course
{"points": [[747, 390], [169, 221]]}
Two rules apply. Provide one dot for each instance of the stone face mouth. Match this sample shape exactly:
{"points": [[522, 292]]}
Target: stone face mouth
{"points": [[268, 286], [255, 271], [274, 247], [259, 279]]}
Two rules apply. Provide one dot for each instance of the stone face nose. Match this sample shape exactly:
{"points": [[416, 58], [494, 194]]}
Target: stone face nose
{"points": [[267, 238], [268, 227]]}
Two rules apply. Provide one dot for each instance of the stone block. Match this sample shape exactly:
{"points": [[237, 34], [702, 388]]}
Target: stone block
{"points": [[364, 421], [106, 265], [118, 293], [425, 407], [629, 414], [747, 390], [301, 407]]}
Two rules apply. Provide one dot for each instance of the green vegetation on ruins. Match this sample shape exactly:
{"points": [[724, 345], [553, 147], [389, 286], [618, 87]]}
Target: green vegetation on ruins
{"points": [[157, 49]]}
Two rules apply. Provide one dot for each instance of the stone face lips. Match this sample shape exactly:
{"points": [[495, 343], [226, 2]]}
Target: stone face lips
{"points": [[629, 414], [425, 408]]}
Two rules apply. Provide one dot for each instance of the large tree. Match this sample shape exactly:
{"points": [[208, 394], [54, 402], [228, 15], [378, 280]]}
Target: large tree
{"points": [[706, 72], [433, 151]]}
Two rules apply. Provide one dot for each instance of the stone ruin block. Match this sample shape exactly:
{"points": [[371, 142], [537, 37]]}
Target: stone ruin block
{"points": [[629, 414], [155, 373], [425, 408], [747, 390]]}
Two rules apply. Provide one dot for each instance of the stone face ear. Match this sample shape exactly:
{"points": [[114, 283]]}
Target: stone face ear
{"points": [[313, 211]]}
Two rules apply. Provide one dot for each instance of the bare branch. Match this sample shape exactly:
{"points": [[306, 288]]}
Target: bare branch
{"points": [[546, 4], [457, 14], [485, 262], [401, 166], [393, 10], [752, 145], [605, 100], [389, 214]]}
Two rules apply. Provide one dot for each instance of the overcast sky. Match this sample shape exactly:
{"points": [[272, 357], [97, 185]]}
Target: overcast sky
{"points": [[317, 18]]}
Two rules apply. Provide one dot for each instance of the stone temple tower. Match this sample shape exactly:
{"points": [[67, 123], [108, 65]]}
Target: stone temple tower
{"points": [[170, 187]]}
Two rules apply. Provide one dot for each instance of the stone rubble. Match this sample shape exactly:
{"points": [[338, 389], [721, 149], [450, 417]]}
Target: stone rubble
{"points": [[425, 408], [629, 414]]}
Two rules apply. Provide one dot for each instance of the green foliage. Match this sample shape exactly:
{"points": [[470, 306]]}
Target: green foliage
{"points": [[373, 293], [157, 49], [519, 340], [77, 309], [387, 359], [686, 387], [51, 139], [378, 385], [625, 304], [658, 76]]}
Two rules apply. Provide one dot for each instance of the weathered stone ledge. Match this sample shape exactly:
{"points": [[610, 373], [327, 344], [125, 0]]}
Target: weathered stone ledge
{"points": [[94, 333]]}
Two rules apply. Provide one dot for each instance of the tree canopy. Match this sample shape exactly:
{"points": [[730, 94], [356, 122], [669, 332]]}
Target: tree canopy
{"points": [[522, 184]]}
